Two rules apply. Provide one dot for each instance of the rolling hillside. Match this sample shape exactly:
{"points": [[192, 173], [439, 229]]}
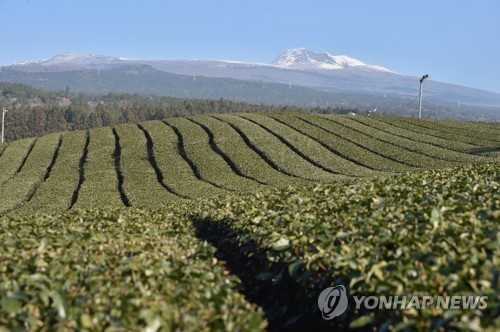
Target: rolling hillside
{"points": [[220, 222], [155, 162]]}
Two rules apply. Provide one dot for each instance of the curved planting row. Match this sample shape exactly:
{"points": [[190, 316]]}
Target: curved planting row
{"points": [[100, 187], [489, 136], [55, 192], [23, 186], [341, 144], [311, 150], [116, 270], [158, 162], [176, 171], [440, 131], [214, 145], [210, 164], [395, 162], [362, 158], [246, 160], [140, 182], [389, 146], [13, 157], [441, 156], [280, 151], [391, 125]]}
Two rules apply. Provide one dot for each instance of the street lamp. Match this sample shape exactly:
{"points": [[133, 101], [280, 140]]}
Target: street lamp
{"points": [[426, 76], [3, 122]]}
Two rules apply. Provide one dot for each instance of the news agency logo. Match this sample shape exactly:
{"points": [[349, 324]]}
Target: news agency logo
{"points": [[333, 302]]}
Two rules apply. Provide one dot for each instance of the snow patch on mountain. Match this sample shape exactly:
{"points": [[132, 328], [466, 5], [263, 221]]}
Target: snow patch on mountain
{"points": [[302, 58], [74, 58]]}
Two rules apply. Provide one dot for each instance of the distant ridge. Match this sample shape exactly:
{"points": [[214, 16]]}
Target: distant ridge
{"points": [[323, 72]]}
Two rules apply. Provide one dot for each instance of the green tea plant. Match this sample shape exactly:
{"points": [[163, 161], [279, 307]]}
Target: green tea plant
{"points": [[22, 187], [110, 269], [309, 147], [13, 157], [100, 187], [211, 166]]}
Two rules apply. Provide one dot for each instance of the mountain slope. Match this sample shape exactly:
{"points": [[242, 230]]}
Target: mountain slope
{"points": [[301, 58], [295, 67]]}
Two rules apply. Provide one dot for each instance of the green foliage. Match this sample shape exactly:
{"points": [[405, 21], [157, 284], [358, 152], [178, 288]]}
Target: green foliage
{"points": [[13, 157], [393, 126], [277, 152], [444, 156], [211, 166], [310, 146], [430, 232], [389, 148], [434, 128], [140, 183], [425, 233], [100, 186], [176, 171], [55, 193], [116, 270], [248, 161], [362, 148], [22, 187]]}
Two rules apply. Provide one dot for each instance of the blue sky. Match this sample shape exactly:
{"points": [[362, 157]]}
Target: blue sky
{"points": [[454, 41]]}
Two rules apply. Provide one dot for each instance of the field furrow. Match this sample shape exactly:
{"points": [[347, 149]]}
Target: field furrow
{"points": [[176, 171], [152, 160], [117, 156], [464, 129], [440, 132], [81, 170], [55, 192], [210, 165], [100, 187], [140, 182], [241, 153], [269, 161], [444, 155], [334, 145], [3, 146], [281, 155], [391, 125], [302, 146], [22, 187], [358, 153], [13, 157], [398, 152], [215, 147], [394, 164]]}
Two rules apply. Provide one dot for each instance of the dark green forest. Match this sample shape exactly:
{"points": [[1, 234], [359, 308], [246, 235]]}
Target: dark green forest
{"points": [[34, 112]]}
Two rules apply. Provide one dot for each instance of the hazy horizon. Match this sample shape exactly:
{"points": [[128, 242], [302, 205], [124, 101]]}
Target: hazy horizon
{"points": [[453, 42]]}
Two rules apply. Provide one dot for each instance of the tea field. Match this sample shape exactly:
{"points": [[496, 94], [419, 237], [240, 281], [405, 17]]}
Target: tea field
{"points": [[239, 221]]}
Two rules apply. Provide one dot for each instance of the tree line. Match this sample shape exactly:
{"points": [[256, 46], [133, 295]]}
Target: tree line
{"points": [[34, 112]]}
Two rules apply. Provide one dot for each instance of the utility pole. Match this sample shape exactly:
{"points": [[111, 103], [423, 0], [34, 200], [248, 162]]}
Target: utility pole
{"points": [[426, 76], [3, 122]]}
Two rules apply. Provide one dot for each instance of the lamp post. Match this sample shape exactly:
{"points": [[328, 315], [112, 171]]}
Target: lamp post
{"points": [[426, 76], [3, 122]]}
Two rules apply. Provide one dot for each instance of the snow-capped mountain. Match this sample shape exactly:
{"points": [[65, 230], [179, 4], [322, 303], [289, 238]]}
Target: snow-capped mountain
{"points": [[74, 59], [302, 58], [294, 67]]}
